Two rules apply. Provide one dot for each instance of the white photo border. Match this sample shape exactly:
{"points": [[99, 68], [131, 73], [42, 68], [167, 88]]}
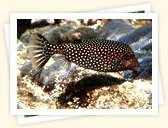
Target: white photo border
{"points": [[13, 64]]}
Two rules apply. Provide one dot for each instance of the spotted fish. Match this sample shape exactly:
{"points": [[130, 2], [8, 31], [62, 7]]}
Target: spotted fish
{"points": [[96, 54]]}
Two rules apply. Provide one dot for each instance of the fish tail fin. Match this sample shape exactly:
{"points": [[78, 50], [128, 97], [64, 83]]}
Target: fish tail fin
{"points": [[41, 50]]}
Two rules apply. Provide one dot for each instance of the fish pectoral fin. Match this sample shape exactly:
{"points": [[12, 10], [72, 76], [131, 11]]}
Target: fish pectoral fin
{"points": [[62, 63], [67, 65]]}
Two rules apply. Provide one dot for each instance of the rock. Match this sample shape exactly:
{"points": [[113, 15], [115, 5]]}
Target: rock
{"points": [[145, 61], [26, 68], [143, 45], [129, 75], [137, 34], [60, 34], [146, 67], [20, 47], [147, 47], [116, 28], [88, 33], [49, 73], [51, 33]]}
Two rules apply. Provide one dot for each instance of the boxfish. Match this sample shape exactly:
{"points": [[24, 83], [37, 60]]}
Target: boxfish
{"points": [[96, 54]]}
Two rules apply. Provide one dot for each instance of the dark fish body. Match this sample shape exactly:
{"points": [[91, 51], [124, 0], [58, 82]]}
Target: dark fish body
{"points": [[96, 54]]}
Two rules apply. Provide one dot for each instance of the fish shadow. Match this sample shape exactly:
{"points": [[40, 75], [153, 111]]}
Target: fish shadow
{"points": [[80, 88]]}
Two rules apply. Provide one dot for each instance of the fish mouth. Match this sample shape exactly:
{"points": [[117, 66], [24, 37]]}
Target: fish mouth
{"points": [[132, 65]]}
